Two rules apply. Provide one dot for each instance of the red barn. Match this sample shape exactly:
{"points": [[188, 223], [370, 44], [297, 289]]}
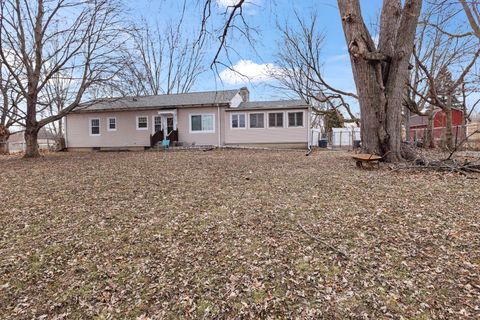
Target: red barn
{"points": [[418, 124]]}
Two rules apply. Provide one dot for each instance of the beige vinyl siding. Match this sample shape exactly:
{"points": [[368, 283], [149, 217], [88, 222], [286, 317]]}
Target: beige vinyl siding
{"points": [[266, 135], [125, 135], [187, 137]]}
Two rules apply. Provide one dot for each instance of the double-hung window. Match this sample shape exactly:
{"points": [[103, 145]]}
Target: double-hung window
{"points": [[202, 123], [238, 120], [142, 123], [256, 120], [275, 120], [112, 124], [95, 127], [295, 119]]}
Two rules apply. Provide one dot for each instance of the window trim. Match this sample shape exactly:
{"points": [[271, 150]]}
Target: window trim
{"points": [[200, 131], [303, 119], [231, 119], [90, 127], [283, 121], [136, 122], [249, 124], [108, 124]]}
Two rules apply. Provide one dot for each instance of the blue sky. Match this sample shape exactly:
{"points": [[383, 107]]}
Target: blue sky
{"points": [[263, 16]]}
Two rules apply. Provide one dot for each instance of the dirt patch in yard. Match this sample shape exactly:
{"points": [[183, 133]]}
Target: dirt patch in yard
{"points": [[234, 234]]}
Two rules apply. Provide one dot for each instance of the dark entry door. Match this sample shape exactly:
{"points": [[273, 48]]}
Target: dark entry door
{"points": [[169, 124]]}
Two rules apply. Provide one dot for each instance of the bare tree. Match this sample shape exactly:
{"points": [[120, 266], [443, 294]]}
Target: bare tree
{"points": [[58, 93], [472, 11], [432, 53], [441, 70], [442, 92], [162, 61], [234, 24], [10, 113], [381, 71], [300, 68], [39, 35]]}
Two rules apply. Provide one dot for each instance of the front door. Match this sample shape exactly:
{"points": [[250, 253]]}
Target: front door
{"points": [[169, 124]]}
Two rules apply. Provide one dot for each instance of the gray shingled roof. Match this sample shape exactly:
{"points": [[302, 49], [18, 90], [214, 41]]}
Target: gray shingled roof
{"points": [[162, 101], [280, 104]]}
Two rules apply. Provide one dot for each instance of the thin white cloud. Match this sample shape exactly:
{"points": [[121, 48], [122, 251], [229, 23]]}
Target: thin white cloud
{"points": [[231, 3], [226, 3], [248, 71]]}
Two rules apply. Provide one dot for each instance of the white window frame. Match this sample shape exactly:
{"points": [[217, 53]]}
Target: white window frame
{"points": [[200, 114], [108, 124], [268, 119], [136, 123], [90, 127], [264, 124], [303, 119], [231, 120]]}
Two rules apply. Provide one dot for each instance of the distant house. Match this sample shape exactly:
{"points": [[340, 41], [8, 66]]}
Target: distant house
{"points": [[215, 118], [419, 124], [16, 141]]}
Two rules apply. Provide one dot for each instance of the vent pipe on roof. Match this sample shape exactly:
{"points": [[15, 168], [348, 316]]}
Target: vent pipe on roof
{"points": [[245, 94]]}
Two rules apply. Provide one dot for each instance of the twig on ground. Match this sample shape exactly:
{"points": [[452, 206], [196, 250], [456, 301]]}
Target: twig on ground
{"points": [[461, 143], [324, 243]]}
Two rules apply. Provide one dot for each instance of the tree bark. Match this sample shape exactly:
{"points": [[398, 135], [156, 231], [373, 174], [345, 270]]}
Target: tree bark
{"points": [[31, 140], [4, 134], [428, 139], [407, 124], [448, 129], [381, 74]]}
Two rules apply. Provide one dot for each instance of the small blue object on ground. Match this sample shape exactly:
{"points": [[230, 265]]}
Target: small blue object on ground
{"points": [[166, 143]]}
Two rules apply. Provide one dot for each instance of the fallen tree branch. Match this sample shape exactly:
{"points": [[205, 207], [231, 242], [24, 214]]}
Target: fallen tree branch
{"points": [[323, 242], [461, 143]]}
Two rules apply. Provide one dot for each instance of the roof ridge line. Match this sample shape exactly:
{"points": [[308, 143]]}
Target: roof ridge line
{"points": [[172, 94]]}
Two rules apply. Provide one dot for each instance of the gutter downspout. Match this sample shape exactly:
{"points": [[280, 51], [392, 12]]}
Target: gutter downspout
{"points": [[309, 132], [219, 127], [66, 132]]}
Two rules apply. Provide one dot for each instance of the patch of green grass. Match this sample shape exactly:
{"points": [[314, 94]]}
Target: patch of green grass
{"points": [[203, 306], [258, 296], [304, 267], [422, 316]]}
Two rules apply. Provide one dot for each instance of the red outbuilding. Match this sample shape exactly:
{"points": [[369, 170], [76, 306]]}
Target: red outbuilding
{"points": [[418, 125]]}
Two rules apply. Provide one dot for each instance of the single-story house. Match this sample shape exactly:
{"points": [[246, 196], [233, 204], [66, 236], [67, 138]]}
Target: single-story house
{"points": [[215, 118]]}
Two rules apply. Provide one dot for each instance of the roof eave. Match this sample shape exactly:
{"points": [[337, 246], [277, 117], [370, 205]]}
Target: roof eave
{"points": [[266, 108], [221, 104]]}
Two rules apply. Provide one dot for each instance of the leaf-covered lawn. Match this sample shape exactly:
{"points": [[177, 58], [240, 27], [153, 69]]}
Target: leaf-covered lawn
{"points": [[234, 234]]}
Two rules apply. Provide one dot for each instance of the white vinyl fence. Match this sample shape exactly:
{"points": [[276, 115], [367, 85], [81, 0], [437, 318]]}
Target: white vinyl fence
{"points": [[338, 138], [20, 146], [344, 137]]}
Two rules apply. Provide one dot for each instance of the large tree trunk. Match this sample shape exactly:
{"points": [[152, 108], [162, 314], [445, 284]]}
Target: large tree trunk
{"points": [[381, 74], [428, 138], [31, 140], [407, 124], [4, 134], [448, 129]]}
